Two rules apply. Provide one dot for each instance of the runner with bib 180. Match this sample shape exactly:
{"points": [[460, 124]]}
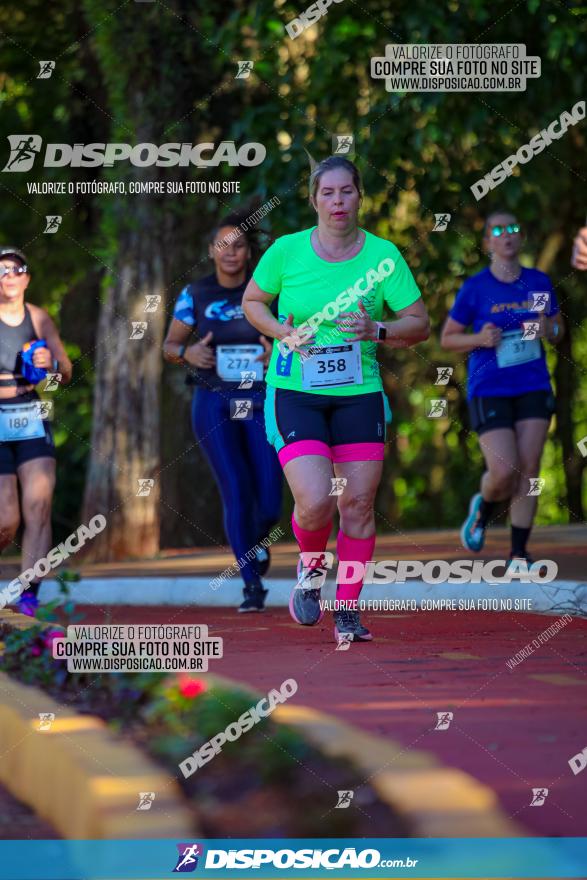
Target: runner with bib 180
{"points": [[510, 309], [30, 346], [325, 410]]}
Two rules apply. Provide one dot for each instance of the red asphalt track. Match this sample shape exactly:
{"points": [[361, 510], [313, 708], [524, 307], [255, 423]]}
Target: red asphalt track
{"points": [[513, 730]]}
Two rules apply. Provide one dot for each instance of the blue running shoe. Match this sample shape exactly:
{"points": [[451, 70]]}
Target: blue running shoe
{"points": [[472, 533], [348, 627], [304, 602], [27, 604]]}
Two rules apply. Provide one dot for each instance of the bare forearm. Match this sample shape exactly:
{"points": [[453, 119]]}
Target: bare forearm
{"points": [[171, 352], [460, 341], [260, 316], [406, 331], [64, 366]]}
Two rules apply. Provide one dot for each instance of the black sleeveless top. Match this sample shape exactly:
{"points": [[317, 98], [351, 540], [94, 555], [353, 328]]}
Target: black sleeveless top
{"points": [[12, 340], [206, 305]]}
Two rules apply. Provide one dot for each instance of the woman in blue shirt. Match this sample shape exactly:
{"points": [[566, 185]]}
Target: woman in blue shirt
{"points": [[226, 366], [510, 310]]}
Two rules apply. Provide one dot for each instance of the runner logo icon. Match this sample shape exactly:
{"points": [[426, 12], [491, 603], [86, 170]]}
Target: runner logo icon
{"points": [[138, 329], [437, 409], [23, 151], [153, 300], [145, 486], [342, 144], [536, 485], [46, 719], [539, 795], [443, 375], [531, 329], [344, 799], [441, 222], [187, 860], [146, 799], [539, 301], [53, 222], [444, 720], [241, 409], [46, 68], [244, 69]]}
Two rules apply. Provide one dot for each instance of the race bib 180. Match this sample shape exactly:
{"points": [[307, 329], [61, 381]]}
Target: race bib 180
{"points": [[21, 422]]}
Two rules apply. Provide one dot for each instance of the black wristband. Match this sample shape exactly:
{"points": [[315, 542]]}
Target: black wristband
{"points": [[181, 351]]}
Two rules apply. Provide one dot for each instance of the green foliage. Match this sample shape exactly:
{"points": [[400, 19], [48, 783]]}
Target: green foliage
{"points": [[165, 72]]}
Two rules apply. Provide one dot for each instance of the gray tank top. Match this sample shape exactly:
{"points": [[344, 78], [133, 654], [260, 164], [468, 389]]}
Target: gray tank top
{"points": [[12, 340]]}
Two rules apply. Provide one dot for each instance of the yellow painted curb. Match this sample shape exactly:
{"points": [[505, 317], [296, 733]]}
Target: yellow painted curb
{"points": [[438, 801], [77, 774]]}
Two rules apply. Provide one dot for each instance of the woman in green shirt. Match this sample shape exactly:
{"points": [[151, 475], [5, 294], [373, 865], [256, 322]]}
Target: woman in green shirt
{"points": [[325, 410]]}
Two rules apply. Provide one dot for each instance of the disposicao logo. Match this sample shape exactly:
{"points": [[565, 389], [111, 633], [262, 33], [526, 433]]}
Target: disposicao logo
{"points": [[24, 149]]}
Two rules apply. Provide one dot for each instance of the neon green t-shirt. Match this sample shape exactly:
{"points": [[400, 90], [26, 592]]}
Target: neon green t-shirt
{"points": [[315, 292]]}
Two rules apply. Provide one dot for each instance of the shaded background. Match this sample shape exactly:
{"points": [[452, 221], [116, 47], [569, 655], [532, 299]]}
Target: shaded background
{"points": [[165, 71]]}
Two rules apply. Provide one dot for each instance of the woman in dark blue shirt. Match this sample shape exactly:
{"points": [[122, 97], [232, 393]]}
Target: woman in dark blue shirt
{"points": [[510, 310], [227, 369]]}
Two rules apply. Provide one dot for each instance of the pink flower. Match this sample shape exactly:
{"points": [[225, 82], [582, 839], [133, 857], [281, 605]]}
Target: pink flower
{"points": [[191, 687], [51, 636]]}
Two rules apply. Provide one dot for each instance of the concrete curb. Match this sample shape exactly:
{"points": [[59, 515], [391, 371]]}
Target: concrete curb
{"points": [[78, 775], [557, 597], [438, 801], [78, 761]]}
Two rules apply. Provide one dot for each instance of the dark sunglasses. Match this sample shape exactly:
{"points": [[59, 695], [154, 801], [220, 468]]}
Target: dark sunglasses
{"points": [[13, 270], [511, 228]]}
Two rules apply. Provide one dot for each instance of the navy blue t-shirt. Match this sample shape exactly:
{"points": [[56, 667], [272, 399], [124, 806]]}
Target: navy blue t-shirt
{"points": [[208, 306], [483, 299]]}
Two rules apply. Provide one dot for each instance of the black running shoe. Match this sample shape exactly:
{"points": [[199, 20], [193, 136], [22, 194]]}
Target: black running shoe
{"points": [[542, 571], [254, 598], [348, 627]]}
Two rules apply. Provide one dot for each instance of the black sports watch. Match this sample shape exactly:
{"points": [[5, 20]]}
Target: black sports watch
{"points": [[381, 332]]}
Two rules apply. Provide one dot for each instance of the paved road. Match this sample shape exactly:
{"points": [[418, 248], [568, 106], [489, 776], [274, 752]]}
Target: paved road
{"points": [[513, 729], [567, 545]]}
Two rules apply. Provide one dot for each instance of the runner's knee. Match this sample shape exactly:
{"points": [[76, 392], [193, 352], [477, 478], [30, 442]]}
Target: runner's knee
{"points": [[504, 478], [9, 523], [314, 512], [36, 509], [356, 507]]}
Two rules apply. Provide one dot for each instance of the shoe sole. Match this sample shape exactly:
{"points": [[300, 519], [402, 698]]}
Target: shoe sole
{"points": [[292, 612], [337, 638], [249, 610], [464, 527]]}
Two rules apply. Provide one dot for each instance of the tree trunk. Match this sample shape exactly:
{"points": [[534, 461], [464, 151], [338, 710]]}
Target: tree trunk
{"points": [[573, 464], [125, 432]]}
